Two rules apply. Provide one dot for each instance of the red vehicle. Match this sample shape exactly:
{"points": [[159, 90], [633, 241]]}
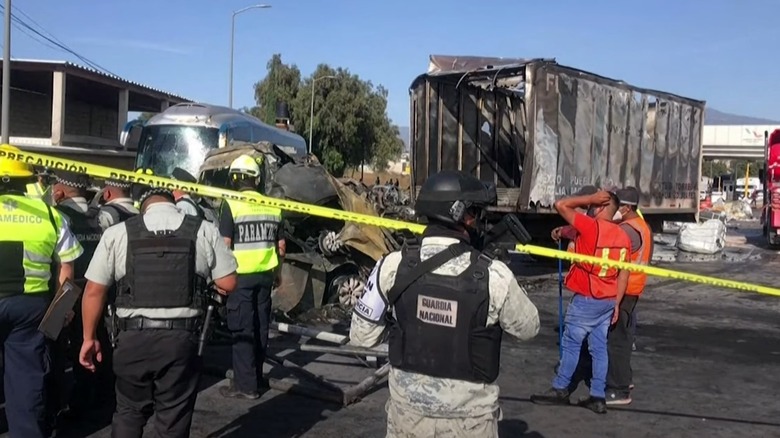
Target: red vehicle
{"points": [[770, 216]]}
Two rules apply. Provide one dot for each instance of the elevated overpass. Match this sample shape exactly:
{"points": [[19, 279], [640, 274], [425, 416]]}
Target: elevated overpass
{"points": [[735, 142]]}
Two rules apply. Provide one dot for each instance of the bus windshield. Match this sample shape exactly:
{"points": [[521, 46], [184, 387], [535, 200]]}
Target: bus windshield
{"points": [[165, 147]]}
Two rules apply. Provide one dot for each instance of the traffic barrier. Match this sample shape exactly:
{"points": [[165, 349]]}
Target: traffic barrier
{"points": [[99, 171]]}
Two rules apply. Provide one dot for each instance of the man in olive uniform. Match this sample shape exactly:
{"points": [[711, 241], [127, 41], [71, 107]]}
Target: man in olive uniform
{"points": [[118, 206], [450, 305], [162, 262]]}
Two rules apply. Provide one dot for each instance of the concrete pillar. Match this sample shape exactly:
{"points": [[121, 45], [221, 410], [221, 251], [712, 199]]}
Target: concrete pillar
{"points": [[121, 121], [164, 105], [58, 108]]}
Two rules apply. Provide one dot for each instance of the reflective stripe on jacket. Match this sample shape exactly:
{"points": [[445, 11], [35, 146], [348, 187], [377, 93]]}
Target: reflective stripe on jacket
{"points": [[255, 236], [29, 230], [612, 243]]}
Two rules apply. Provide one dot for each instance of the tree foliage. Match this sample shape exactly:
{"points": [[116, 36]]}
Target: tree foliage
{"points": [[350, 123]]}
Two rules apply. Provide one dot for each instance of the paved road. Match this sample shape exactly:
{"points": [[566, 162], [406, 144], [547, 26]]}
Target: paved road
{"points": [[706, 365]]}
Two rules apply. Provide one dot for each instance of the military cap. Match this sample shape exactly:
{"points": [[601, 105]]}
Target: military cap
{"points": [[117, 183], [72, 179]]}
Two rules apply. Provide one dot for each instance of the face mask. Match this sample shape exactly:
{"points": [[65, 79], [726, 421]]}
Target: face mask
{"points": [[618, 216], [48, 197], [592, 212]]}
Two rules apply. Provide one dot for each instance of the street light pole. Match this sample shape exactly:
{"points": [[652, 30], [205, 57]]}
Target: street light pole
{"points": [[311, 113], [232, 43], [5, 105]]}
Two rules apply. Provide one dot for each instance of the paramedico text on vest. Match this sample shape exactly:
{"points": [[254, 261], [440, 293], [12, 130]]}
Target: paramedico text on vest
{"points": [[598, 281], [439, 328], [27, 245], [160, 269], [87, 231]]}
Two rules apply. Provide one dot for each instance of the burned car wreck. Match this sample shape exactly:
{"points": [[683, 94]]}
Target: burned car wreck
{"points": [[327, 260]]}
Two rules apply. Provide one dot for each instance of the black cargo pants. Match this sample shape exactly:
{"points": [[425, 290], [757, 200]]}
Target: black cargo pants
{"points": [[249, 319], [157, 372]]}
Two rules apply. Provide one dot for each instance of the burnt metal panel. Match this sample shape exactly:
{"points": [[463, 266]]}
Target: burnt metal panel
{"points": [[468, 128], [541, 131], [629, 136]]}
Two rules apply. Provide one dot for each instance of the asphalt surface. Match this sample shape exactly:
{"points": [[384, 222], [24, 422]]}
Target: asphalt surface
{"points": [[706, 364]]}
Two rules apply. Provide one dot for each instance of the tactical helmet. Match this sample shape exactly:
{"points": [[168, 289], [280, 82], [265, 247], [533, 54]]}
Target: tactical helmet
{"points": [[13, 168], [447, 195]]}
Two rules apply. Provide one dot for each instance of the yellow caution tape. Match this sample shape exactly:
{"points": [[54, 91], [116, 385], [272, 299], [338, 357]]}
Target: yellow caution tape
{"points": [[98, 171]]}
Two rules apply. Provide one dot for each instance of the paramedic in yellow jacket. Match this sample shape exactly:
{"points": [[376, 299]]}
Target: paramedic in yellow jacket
{"points": [[255, 233], [33, 237]]}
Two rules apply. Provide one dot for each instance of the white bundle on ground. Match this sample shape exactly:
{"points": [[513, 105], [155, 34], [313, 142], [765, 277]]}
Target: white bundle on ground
{"points": [[705, 238]]}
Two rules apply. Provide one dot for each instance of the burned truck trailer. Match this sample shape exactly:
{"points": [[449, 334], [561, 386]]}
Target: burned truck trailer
{"points": [[539, 131]]}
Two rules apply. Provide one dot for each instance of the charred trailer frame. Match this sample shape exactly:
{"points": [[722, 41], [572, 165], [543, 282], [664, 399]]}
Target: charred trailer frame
{"points": [[539, 131]]}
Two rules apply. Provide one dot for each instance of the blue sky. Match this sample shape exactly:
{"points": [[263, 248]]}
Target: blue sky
{"points": [[722, 51]]}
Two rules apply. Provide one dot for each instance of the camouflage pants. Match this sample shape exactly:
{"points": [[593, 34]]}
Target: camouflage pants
{"points": [[403, 423]]}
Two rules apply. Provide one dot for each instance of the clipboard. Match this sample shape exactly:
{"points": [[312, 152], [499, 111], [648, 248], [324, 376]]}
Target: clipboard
{"points": [[54, 319]]}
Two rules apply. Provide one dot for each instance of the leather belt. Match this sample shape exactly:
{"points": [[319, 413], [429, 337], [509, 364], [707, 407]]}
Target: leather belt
{"points": [[142, 323]]}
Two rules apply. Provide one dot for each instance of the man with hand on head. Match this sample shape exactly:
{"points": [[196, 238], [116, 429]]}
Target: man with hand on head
{"points": [[598, 291]]}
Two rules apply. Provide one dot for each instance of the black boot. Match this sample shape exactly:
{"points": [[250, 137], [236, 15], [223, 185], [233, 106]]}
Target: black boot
{"points": [[552, 396], [595, 404]]}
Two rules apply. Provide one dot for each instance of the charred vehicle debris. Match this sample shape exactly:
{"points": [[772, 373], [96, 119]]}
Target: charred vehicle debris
{"points": [[327, 260]]}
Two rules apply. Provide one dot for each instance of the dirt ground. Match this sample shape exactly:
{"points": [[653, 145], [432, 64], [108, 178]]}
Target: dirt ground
{"points": [[706, 364]]}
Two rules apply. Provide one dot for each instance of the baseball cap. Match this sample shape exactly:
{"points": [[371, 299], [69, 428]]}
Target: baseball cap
{"points": [[628, 195]]}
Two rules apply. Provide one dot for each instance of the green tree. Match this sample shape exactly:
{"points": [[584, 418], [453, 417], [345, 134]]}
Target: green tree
{"points": [[280, 85], [350, 115]]}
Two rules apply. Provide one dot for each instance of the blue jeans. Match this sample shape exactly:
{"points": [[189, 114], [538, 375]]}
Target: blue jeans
{"points": [[586, 318]]}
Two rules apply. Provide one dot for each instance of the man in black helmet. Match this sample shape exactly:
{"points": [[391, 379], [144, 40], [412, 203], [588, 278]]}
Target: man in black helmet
{"points": [[161, 261], [450, 305]]}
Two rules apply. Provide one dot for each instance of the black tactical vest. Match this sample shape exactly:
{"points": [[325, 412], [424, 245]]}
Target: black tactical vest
{"points": [[118, 214], [160, 269], [87, 231], [440, 320]]}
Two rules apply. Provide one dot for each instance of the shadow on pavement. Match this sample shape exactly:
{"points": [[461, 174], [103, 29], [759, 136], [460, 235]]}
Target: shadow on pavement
{"points": [[664, 413], [516, 428], [301, 414]]}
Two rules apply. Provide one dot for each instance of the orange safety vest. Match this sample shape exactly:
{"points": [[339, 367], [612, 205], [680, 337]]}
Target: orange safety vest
{"points": [[642, 256], [597, 281]]}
